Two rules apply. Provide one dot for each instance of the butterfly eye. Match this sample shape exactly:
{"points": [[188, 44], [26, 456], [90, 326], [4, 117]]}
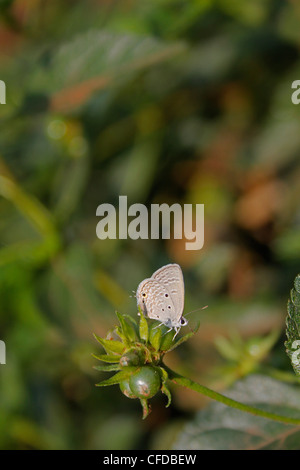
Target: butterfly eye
{"points": [[166, 295]]}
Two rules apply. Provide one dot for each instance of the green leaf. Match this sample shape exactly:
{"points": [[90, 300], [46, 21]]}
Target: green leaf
{"points": [[146, 407], [166, 339], [166, 391], [297, 283], [118, 330], [104, 57], [127, 330], [110, 345], [293, 326], [108, 368], [219, 427], [184, 338], [124, 374], [295, 298], [164, 388], [143, 329], [132, 320], [155, 338], [107, 358]]}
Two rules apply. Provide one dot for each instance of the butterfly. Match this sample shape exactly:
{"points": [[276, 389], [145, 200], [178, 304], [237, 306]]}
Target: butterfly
{"points": [[161, 297]]}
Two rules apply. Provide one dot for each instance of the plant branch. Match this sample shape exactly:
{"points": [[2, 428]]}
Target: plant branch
{"points": [[185, 382]]}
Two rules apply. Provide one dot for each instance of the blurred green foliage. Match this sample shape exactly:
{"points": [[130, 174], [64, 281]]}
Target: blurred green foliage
{"points": [[165, 101]]}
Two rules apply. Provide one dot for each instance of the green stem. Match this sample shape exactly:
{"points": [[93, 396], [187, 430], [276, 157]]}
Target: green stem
{"points": [[185, 382]]}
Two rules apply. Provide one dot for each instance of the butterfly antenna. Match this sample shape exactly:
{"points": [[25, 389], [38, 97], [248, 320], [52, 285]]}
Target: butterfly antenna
{"points": [[193, 311]]}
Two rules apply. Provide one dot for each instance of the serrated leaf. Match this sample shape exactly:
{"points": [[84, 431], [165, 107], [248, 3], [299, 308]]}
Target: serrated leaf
{"points": [[297, 283], [219, 427], [293, 326], [295, 298], [110, 345], [124, 374], [107, 357]]}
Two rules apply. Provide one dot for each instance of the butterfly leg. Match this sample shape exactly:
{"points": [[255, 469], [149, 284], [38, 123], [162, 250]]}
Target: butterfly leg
{"points": [[158, 326], [176, 332]]}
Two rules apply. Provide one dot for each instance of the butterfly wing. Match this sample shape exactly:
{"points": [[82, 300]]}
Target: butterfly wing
{"points": [[171, 277], [155, 301]]}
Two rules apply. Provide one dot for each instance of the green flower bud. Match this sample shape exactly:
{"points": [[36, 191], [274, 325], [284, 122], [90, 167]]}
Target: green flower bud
{"points": [[126, 390], [132, 357], [145, 382]]}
